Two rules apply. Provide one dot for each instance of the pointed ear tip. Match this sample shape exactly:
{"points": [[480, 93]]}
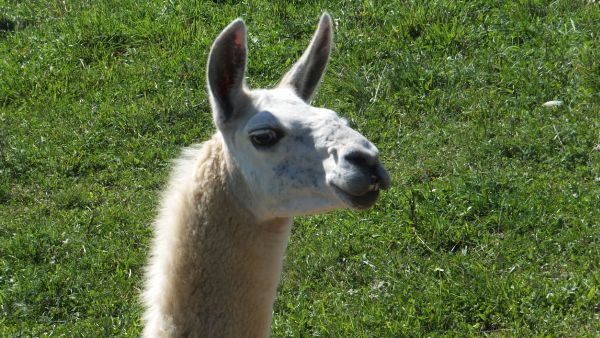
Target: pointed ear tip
{"points": [[235, 26], [238, 24], [325, 18], [238, 21], [235, 30]]}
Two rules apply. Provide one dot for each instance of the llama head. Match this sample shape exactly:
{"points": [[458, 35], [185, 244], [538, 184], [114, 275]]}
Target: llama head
{"points": [[293, 158]]}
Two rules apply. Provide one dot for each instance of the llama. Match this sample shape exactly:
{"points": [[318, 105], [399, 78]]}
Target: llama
{"points": [[226, 215]]}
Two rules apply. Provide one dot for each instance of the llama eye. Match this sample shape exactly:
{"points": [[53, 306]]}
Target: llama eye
{"points": [[264, 137]]}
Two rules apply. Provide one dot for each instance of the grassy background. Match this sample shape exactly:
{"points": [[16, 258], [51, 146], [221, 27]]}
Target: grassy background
{"points": [[492, 227]]}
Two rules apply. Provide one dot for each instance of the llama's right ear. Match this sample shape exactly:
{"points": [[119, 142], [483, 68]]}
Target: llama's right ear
{"points": [[305, 75], [226, 71]]}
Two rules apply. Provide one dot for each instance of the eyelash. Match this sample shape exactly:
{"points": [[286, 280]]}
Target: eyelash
{"points": [[265, 137]]}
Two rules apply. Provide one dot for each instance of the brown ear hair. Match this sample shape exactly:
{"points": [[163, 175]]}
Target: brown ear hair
{"points": [[226, 71]]}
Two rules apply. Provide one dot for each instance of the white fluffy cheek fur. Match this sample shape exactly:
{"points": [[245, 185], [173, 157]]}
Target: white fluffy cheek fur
{"points": [[287, 190]]}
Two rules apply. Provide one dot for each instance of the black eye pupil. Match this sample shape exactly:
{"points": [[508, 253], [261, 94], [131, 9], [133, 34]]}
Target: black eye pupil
{"points": [[264, 137]]}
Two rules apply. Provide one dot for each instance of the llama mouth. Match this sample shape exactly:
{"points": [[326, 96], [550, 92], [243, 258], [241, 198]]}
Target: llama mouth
{"points": [[361, 202]]}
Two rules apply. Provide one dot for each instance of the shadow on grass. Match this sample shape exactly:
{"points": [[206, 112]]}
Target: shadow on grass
{"points": [[7, 26]]}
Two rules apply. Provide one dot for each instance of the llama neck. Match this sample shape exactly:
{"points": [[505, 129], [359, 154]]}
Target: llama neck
{"points": [[217, 267]]}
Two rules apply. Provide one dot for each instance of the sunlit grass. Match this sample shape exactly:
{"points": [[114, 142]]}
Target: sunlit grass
{"points": [[491, 226]]}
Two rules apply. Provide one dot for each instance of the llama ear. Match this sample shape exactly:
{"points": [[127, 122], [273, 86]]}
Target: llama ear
{"points": [[306, 74], [226, 71]]}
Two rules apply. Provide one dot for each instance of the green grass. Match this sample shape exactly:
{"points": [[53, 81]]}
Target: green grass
{"points": [[491, 228]]}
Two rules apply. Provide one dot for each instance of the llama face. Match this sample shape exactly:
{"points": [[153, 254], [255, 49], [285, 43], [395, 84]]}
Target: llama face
{"points": [[293, 158], [298, 159]]}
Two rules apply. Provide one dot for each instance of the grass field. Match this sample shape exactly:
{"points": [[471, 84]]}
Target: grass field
{"points": [[492, 226]]}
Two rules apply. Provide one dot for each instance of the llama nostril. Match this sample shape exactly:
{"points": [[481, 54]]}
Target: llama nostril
{"points": [[361, 159]]}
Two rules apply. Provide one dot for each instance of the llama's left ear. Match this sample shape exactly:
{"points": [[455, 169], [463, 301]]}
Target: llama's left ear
{"points": [[306, 74], [226, 71]]}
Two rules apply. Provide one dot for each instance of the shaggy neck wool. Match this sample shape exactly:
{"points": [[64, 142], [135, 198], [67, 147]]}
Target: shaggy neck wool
{"points": [[214, 270]]}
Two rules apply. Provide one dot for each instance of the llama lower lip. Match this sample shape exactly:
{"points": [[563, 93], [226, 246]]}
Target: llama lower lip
{"points": [[364, 201]]}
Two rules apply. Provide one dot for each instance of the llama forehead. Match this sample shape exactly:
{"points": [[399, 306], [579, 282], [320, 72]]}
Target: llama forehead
{"points": [[282, 108]]}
